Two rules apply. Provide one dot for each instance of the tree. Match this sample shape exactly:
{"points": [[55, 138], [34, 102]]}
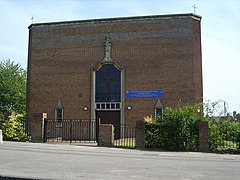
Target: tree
{"points": [[12, 88], [13, 129], [215, 108]]}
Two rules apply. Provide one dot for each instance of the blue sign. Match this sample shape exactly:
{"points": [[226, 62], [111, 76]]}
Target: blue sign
{"points": [[144, 94]]}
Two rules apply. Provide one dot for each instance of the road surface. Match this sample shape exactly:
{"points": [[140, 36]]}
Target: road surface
{"points": [[63, 161]]}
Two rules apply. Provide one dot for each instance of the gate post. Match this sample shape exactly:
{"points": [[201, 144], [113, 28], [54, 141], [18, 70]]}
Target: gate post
{"points": [[106, 135], [140, 134], [45, 130], [36, 126], [203, 136]]}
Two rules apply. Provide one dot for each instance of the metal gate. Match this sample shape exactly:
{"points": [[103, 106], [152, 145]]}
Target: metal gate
{"points": [[83, 130], [127, 138]]}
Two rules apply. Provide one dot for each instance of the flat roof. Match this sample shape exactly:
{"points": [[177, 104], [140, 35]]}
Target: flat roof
{"points": [[119, 19]]}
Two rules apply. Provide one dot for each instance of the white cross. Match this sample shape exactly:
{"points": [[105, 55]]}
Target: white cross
{"points": [[194, 8]]}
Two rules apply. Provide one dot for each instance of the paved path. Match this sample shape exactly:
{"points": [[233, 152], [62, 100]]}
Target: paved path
{"points": [[51, 161]]}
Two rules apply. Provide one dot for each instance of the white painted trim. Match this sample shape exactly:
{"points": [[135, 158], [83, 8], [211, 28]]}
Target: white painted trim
{"points": [[122, 104], [93, 114]]}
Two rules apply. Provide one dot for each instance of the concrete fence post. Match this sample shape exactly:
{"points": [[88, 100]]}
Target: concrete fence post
{"points": [[203, 136], [1, 137], [45, 135]]}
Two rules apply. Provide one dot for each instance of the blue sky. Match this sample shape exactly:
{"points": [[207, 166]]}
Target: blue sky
{"points": [[220, 32]]}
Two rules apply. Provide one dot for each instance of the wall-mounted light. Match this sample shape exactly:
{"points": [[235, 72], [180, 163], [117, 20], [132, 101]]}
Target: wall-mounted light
{"points": [[85, 108], [80, 94], [129, 107]]}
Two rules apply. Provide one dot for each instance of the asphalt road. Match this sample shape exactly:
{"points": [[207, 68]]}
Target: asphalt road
{"points": [[51, 161]]}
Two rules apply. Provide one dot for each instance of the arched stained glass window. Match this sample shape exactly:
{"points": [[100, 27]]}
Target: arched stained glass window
{"points": [[108, 84]]}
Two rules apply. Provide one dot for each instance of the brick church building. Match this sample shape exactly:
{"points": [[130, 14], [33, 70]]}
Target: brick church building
{"points": [[117, 70]]}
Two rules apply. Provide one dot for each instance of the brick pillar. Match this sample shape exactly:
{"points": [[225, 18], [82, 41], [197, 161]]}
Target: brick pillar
{"points": [[203, 136], [140, 134], [106, 135], [36, 127]]}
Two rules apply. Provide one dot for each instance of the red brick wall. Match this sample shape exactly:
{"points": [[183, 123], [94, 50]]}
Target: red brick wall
{"points": [[159, 52], [197, 60]]}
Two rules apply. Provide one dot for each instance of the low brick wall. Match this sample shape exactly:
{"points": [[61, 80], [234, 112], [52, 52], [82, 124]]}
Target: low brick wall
{"points": [[203, 135], [106, 135]]}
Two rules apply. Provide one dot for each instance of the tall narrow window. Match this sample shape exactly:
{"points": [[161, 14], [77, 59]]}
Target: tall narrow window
{"points": [[59, 114], [108, 84], [158, 109]]}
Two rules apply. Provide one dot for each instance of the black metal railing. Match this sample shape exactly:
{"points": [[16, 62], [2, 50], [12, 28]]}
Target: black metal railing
{"points": [[70, 131], [224, 138], [127, 137]]}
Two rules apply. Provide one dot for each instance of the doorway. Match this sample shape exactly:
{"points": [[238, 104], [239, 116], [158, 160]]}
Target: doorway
{"points": [[109, 117]]}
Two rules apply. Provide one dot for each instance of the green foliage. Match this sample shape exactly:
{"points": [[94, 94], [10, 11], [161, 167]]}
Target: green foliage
{"points": [[149, 119], [1, 117], [154, 136], [215, 108], [12, 88], [177, 129], [224, 134], [13, 129]]}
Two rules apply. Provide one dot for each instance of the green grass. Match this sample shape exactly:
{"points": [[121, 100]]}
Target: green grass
{"points": [[125, 143]]}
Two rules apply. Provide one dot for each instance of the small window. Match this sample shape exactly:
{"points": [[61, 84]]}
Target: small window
{"points": [[107, 106], [59, 117], [158, 112], [117, 105], [98, 106], [158, 109], [102, 106], [59, 114], [112, 106]]}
